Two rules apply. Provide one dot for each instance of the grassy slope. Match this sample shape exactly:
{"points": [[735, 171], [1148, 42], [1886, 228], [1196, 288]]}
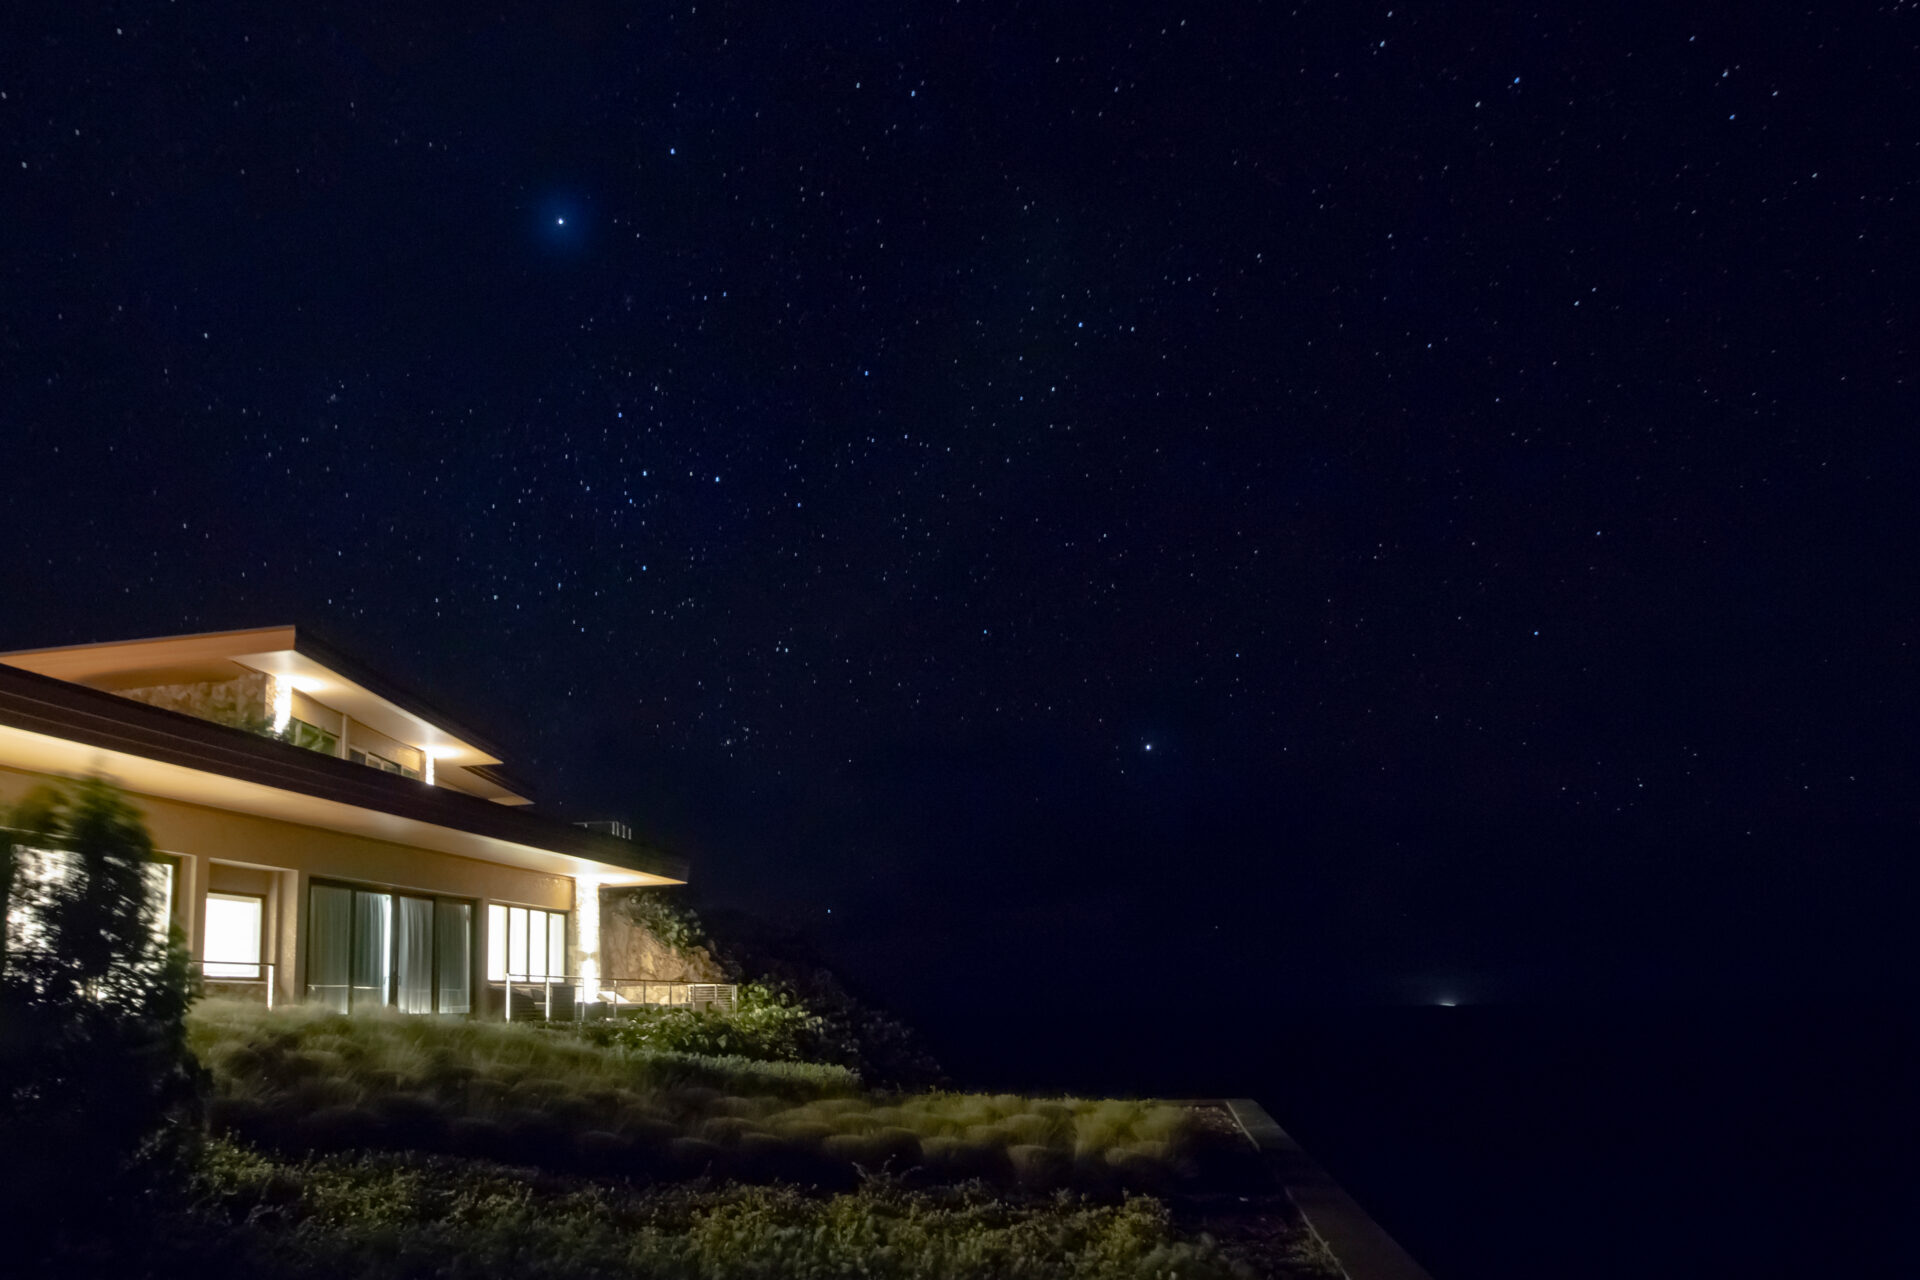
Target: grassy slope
{"points": [[407, 1215], [298, 1079], [393, 1146]]}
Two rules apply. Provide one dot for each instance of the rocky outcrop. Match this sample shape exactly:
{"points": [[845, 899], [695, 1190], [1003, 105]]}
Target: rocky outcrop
{"points": [[630, 952]]}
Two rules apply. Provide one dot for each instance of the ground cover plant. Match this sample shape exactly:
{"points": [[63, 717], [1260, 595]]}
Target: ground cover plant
{"points": [[300, 1079], [256, 1215]]}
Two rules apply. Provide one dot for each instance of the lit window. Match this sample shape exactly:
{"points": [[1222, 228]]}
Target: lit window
{"points": [[525, 944], [233, 935], [39, 875], [370, 949]]}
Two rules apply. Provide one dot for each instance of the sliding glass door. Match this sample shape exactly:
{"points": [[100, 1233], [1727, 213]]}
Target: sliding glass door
{"points": [[329, 946], [413, 954], [453, 942], [370, 949]]}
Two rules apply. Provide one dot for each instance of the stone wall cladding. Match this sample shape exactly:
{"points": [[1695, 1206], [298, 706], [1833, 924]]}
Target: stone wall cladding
{"points": [[240, 702], [629, 952]]}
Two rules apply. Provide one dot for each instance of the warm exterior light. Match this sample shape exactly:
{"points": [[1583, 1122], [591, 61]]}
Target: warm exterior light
{"points": [[280, 690], [586, 914], [428, 772]]}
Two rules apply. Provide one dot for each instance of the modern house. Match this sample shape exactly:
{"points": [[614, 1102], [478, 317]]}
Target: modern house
{"points": [[328, 838]]}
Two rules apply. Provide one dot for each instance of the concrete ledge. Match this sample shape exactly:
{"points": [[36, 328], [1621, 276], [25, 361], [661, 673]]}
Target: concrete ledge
{"points": [[1364, 1249]]}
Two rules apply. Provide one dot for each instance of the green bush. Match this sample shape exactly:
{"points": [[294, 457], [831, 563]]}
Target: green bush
{"points": [[256, 1217], [791, 1007], [769, 1025], [96, 1083]]}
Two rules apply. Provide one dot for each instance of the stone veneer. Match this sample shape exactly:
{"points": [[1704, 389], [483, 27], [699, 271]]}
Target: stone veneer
{"points": [[630, 952], [240, 702]]}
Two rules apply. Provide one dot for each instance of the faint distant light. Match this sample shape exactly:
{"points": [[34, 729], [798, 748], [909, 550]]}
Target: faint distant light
{"points": [[1447, 1004]]}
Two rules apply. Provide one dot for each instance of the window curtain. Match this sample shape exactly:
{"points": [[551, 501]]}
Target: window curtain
{"points": [[557, 944], [372, 949], [329, 946], [413, 936], [516, 942], [496, 943], [536, 944], [453, 934]]}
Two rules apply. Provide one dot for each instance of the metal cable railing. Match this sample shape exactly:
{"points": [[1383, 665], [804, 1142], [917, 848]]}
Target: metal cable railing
{"points": [[543, 995], [242, 974]]}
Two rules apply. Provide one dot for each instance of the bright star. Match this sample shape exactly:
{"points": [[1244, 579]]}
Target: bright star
{"points": [[561, 222]]}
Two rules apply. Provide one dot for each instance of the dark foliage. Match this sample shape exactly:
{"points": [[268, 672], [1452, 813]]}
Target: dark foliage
{"points": [[793, 1008], [95, 1075]]}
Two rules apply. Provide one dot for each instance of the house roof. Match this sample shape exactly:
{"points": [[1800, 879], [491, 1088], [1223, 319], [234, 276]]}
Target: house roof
{"points": [[51, 725], [286, 652]]}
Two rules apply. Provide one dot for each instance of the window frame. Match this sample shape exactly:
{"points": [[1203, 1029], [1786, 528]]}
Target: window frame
{"points": [[506, 972], [259, 962], [394, 893]]}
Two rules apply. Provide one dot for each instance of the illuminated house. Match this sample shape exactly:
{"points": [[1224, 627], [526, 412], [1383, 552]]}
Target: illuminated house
{"points": [[328, 838]]}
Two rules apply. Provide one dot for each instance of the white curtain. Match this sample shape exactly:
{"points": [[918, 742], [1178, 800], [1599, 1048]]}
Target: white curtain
{"points": [[413, 988], [452, 938], [372, 949], [329, 946], [496, 942]]}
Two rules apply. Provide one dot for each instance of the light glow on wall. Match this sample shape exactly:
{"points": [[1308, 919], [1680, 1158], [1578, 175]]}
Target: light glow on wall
{"points": [[280, 690], [428, 772], [586, 912]]}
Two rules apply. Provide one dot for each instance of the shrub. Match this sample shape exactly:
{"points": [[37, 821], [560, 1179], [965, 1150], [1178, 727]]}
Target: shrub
{"points": [[264, 1219], [95, 1077], [767, 1025]]}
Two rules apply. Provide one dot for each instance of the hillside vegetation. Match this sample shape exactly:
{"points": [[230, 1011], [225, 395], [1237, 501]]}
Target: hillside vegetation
{"points": [[301, 1080]]}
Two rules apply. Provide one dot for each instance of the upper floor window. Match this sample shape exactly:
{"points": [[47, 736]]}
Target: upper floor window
{"points": [[375, 761], [312, 737]]}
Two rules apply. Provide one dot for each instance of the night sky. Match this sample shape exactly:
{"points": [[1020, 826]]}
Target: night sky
{"points": [[1339, 502]]}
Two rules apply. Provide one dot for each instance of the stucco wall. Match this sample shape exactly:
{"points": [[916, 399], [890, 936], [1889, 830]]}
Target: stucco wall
{"points": [[212, 844]]}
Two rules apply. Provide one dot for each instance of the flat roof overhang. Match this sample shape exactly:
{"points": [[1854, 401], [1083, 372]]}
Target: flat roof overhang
{"points": [[50, 726], [286, 653]]}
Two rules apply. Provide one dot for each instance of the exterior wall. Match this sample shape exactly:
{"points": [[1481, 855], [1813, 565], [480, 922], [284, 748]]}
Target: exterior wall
{"points": [[320, 716], [243, 702], [360, 738], [220, 851]]}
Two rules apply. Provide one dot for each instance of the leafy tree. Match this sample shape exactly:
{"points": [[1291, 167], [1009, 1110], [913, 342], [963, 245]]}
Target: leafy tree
{"points": [[95, 1074]]}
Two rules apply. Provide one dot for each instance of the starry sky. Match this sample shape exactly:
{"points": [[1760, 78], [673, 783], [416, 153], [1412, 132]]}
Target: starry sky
{"points": [[1344, 501]]}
